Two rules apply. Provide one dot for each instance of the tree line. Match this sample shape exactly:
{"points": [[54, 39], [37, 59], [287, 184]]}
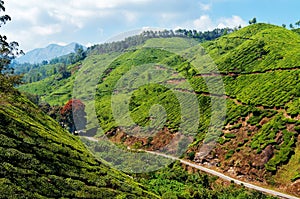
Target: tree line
{"points": [[140, 39], [292, 25]]}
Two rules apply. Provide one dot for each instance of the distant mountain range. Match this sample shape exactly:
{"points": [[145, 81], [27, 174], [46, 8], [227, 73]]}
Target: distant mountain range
{"points": [[51, 51]]}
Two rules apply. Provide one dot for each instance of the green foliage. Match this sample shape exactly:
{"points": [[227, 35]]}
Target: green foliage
{"points": [[267, 134], [172, 44], [296, 30], [293, 107], [230, 135], [272, 89], [296, 177], [234, 111], [222, 141], [229, 154], [126, 160], [253, 21], [174, 182], [259, 65], [258, 115], [191, 155], [8, 51], [141, 39], [142, 98], [284, 153], [256, 48], [39, 159], [297, 23], [236, 126], [58, 92]]}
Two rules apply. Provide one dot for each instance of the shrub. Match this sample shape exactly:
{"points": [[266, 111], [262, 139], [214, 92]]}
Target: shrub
{"points": [[230, 135]]}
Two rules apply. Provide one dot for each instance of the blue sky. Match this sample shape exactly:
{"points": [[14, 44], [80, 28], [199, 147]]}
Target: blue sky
{"points": [[37, 23]]}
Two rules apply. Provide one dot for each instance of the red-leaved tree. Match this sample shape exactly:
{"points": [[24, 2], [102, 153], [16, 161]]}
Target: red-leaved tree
{"points": [[73, 115]]}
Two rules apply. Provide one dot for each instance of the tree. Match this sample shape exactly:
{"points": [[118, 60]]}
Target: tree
{"points": [[8, 51], [45, 62], [63, 71], [253, 21], [297, 23], [283, 25], [73, 115], [291, 26]]}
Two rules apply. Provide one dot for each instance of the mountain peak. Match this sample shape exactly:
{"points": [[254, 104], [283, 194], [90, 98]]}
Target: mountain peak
{"points": [[51, 51]]}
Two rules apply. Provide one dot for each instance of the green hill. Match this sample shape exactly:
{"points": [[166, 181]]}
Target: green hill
{"points": [[259, 66], [41, 160], [260, 69], [256, 48]]}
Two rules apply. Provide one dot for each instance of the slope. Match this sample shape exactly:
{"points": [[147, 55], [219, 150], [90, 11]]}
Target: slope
{"points": [[41, 160], [260, 69], [259, 66]]}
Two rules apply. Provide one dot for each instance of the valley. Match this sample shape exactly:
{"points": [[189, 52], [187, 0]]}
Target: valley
{"points": [[161, 114]]}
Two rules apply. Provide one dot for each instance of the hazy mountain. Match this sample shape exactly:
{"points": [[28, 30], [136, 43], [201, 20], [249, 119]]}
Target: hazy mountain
{"points": [[53, 50]]}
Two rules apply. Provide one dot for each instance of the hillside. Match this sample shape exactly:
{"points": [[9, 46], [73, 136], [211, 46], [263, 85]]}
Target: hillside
{"points": [[259, 65], [41, 160], [46, 54], [260, 68]]}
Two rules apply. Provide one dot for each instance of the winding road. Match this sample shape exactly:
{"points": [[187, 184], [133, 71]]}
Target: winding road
{"points": [[216, 173], [227, 178]]}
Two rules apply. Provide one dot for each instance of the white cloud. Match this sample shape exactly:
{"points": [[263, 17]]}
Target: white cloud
{"points": [[232, 22], [35, 23], [168, 16], [130, 17], [205, 7], [47, 30], [33, 19], [105, 4], [89, 44], [30, 15], [205, 22]]}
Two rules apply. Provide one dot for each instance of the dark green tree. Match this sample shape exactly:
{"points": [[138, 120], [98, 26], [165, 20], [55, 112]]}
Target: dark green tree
{"points": [[8, 51], [253, 21], [63, 71], [297, 23]]}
